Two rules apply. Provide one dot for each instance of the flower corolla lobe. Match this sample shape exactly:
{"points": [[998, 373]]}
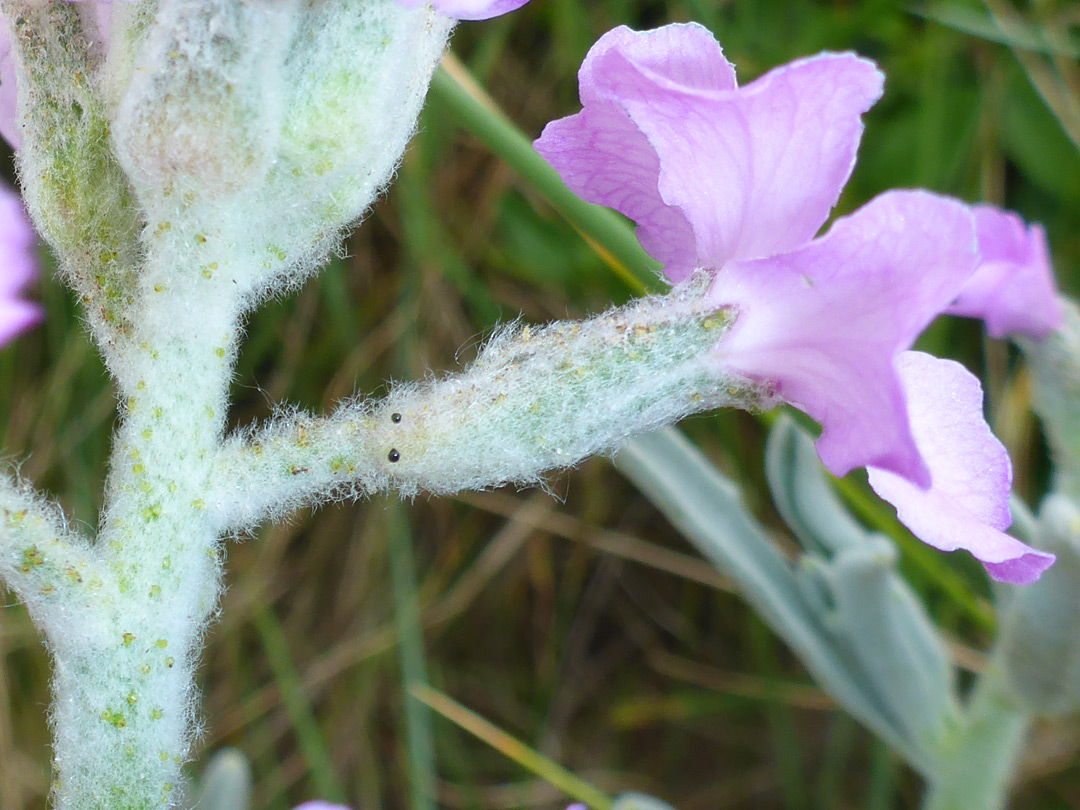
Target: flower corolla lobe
{"points": [[1013, 289], [711, 172], [966, 505]]}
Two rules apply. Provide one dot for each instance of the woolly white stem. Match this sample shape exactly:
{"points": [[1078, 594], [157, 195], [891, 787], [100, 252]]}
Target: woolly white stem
{"points": [[125, 704], [78, 196], [534, 400], [41, 559]]}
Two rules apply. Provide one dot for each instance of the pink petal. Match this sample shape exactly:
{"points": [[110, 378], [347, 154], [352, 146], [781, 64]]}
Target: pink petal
{"points": [[16, 317], [321, 806], [755, 171], [679, 58], [18, 266], [469, 9], [967, 504], [18, 259], [1013, 288], [823, 325], [604, 157]]}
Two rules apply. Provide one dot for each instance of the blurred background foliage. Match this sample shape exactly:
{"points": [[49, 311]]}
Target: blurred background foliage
{"points": [[573, 623]]}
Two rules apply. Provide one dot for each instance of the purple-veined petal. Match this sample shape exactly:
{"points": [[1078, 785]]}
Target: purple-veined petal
{"points": [[967, 503], [823, 324], [18, 266], [605, 159], [320, 806], [757, 171], [469, 9], [752, 172], [680, 58], [1012, 289]]}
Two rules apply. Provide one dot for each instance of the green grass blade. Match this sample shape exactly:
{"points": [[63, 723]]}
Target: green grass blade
{"points": [[787, 749], [418, 733], [512, 748], [610, 235], [308, 734]]}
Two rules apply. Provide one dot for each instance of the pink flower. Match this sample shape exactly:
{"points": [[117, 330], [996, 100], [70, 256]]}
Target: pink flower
{"points": [[320, 806], [823, 324], [469, 9], [1013, 288], [18, 267], [737, 181]]}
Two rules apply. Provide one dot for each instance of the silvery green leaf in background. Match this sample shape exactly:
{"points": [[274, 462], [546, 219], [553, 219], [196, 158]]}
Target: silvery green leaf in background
{"points": [[1055, 367], [802, 494], [639, 801], [706, 508], [849, 576], [226, 783], [1040, 637], [881, 622]]}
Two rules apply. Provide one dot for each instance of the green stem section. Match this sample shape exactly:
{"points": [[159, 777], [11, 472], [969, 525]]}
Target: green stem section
{"points": [[977, 766], [78, 195]]}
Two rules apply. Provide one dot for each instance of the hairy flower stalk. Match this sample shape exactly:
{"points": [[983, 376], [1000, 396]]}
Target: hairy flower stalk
{"points": [[536, 399]]}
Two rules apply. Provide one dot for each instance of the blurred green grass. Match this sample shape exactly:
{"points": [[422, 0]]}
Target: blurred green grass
{"points": [[577, 624]]}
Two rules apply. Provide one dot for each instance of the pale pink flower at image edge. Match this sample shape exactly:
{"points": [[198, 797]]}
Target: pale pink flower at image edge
{"points": [[18, 267], [469, 9], [738, 181], [321, 806]]}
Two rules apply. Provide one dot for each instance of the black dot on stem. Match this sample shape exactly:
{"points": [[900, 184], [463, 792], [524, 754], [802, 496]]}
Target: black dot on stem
{"points": [[394, 456]]}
